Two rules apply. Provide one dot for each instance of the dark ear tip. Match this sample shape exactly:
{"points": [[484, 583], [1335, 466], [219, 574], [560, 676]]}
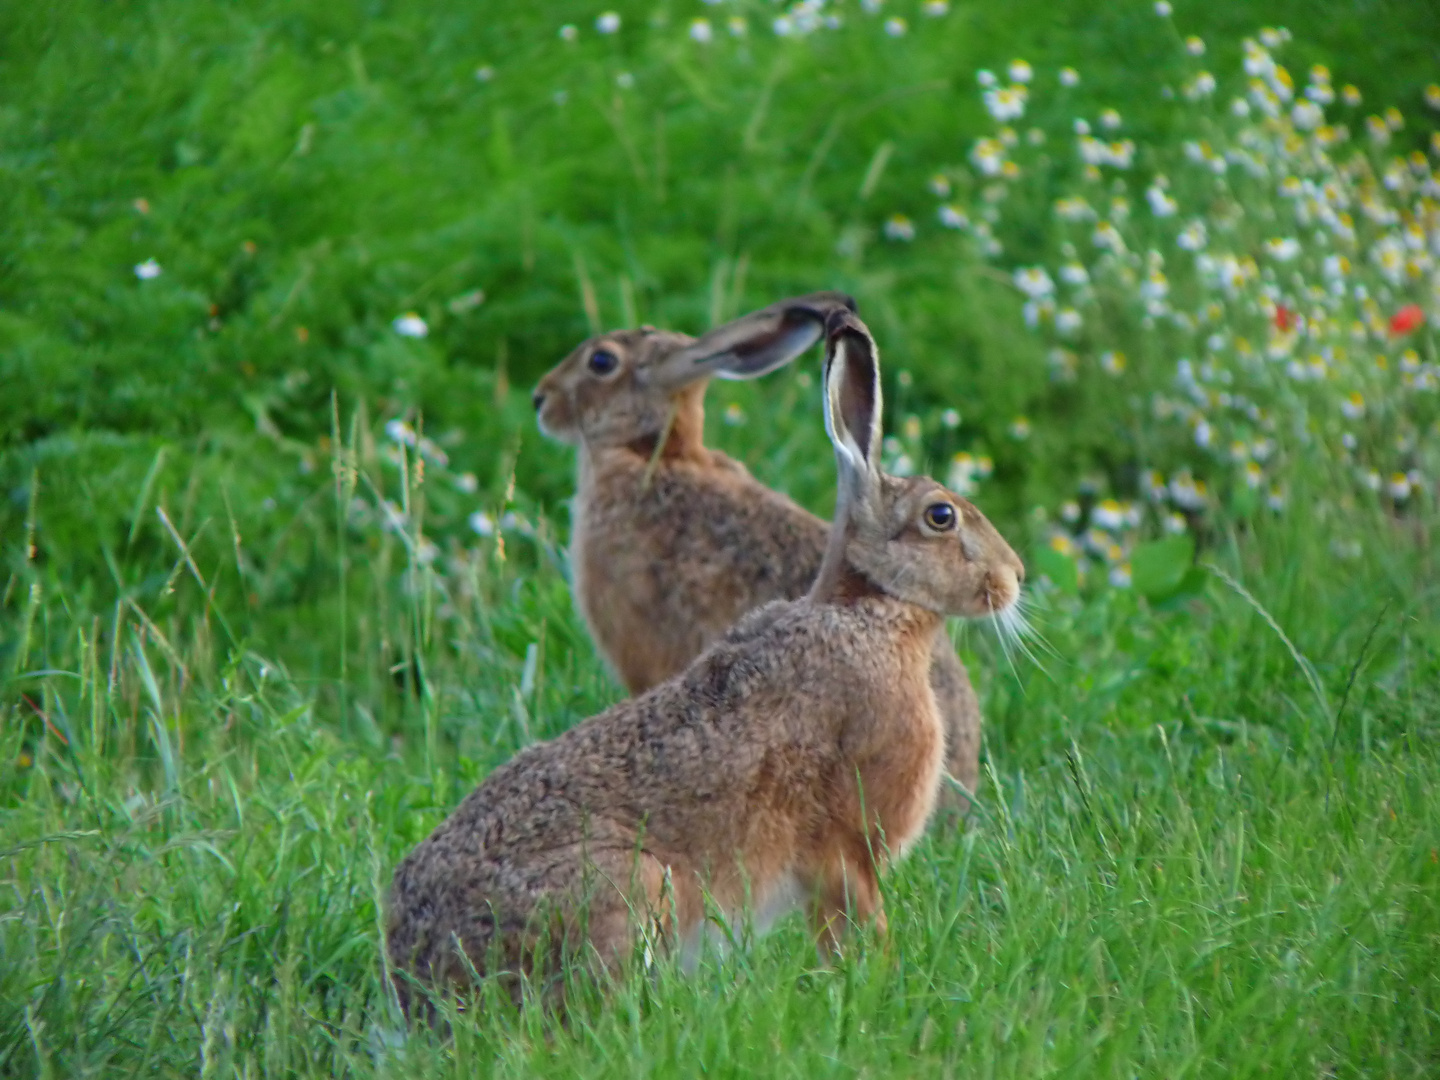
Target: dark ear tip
{"points": [[820, 305], [841, 320], [834, 301]]}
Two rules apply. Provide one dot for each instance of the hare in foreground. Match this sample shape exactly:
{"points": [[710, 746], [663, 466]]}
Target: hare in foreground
{"points": [[672, 543], [785, 767]]}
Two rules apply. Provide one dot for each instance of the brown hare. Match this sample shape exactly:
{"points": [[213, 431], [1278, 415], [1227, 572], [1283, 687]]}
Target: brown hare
{"points": [[671, 542], [786, 766]]}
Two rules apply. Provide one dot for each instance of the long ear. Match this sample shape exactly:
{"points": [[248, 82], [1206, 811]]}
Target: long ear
{"points": [[852, 393], [852, 419], [754, 344]]}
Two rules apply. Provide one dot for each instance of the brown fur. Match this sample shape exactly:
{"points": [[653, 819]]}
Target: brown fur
{"points": [[661, 570], [793, 760]]}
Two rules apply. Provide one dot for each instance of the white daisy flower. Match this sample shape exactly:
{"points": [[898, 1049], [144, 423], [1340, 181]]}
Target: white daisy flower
{"points": [[410, 325]]}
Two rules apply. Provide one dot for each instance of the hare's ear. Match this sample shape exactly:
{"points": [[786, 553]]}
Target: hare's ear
{"points": [[754, 344], [852, 395]]}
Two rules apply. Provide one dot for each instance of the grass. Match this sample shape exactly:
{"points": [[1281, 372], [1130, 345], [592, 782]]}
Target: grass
{"points": [[233, 698]]}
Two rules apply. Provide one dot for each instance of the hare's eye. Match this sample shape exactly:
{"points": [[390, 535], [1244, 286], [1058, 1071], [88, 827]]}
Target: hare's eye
{"points": [[602, 362], [941, 516]]}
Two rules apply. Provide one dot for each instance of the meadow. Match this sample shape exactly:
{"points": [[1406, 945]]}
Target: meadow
{"points": [[284, 554]]}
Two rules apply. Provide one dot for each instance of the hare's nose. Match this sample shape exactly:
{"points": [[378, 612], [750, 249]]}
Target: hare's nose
{"points": [[537, 399]]}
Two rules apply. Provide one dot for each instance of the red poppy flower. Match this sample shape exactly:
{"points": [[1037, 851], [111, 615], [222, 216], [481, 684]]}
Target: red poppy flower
{"points": [[1407, 320], [1284, 319]]}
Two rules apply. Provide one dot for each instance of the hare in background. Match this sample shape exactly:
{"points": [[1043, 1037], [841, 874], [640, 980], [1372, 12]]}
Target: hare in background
{"points": [[672, 542], [795, 758]]}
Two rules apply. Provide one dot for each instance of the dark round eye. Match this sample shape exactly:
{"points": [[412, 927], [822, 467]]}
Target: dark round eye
{"points": [[602, 362], [941, 516]]}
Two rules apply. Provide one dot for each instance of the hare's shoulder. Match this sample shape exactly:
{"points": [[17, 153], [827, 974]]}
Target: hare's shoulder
{"points": [[800, 648], [684, 508], [742, 514]]}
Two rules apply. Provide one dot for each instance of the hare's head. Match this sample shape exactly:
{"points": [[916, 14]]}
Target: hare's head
{"points": [[623, 386], [912, 538]]}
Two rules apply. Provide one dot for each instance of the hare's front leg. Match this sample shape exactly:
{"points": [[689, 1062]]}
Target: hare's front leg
{"points": [[847, 891]]}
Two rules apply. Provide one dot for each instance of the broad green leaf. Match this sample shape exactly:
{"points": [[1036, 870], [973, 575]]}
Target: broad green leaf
{"points": [[1159, 566], [1059, 568]]}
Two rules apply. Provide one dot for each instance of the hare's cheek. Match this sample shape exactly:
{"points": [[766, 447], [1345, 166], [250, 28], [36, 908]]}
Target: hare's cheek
{"points": [[555, 417]]}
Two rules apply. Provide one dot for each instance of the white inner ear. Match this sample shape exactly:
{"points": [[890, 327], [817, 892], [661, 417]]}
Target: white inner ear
{"points": [[876, 415], [835, 427], [877, 411]]}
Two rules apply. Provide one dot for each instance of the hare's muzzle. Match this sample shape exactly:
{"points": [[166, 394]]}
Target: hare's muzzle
{"points": [[538, 400], [1001, 586]]}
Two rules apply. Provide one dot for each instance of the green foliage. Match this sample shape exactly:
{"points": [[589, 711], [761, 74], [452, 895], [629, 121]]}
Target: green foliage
{"points": [[1160, 567], [282, 583]]}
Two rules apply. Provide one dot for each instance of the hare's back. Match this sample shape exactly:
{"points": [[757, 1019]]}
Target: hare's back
{"points": [[675, 761]]}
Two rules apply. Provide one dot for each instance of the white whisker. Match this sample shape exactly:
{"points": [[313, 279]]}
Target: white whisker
{"points": [[1031, 607], [1013, 629], [998, 619]]}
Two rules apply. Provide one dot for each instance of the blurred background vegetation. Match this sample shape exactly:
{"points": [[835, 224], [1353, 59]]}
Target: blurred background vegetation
{"points": [[305, 173]]}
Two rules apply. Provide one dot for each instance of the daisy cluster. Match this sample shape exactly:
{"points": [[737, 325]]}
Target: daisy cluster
{"points": [[797, 19], [1261, 296]]}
